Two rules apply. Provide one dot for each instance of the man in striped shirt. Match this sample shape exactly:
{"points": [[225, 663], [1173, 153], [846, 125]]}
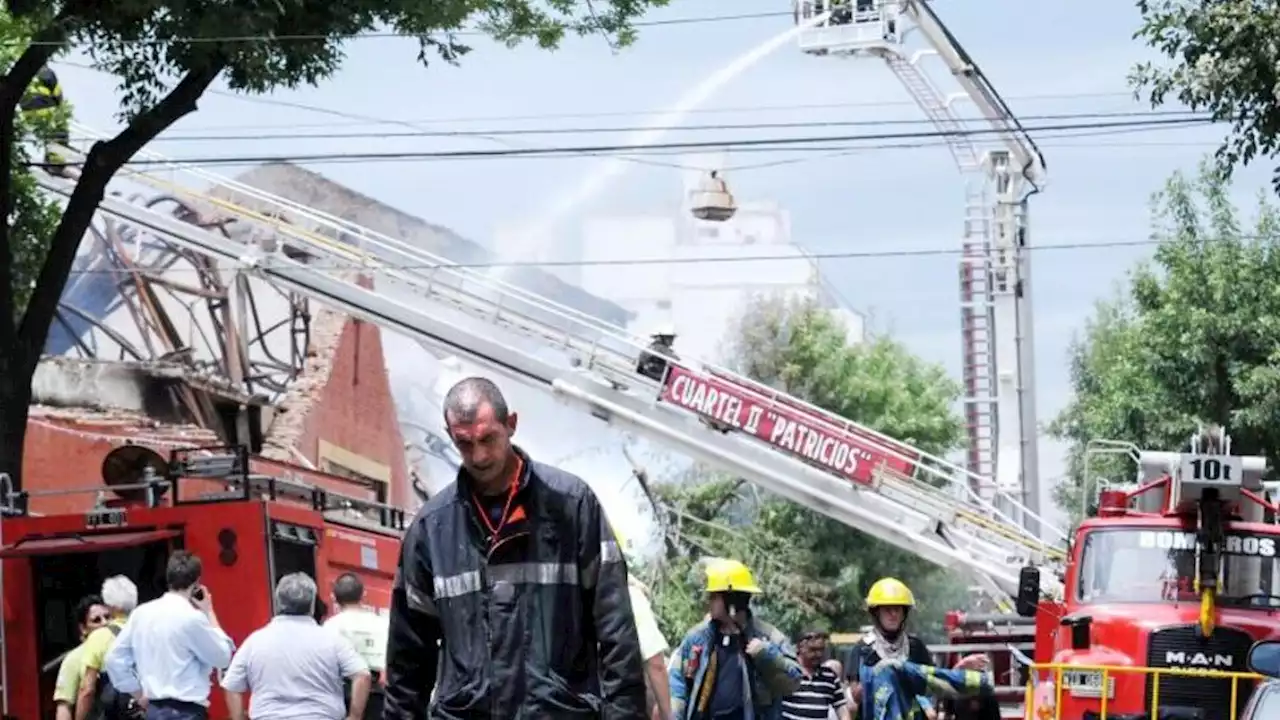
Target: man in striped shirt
{"points": [[820, 694]]}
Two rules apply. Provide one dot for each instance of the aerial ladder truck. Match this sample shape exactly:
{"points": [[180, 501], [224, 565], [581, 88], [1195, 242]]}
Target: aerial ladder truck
{"points": [[1002, 168]]}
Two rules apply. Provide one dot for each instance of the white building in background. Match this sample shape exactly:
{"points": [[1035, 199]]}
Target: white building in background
{"points": [[701, 299]]}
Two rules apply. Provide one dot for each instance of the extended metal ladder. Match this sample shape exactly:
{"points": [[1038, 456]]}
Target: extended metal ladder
{"points": [[916, 501]]}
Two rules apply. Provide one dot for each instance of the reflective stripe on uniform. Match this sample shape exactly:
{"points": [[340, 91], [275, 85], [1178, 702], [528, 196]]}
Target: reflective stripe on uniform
{"points": [[610, 552], [514, 573], [535, 574], [457, 585]]}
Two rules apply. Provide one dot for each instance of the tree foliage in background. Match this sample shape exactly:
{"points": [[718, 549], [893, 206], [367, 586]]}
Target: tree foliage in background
{"points": [[34, 215], [1194, 337], [815, 571], [166, 53], [1222, 61]]}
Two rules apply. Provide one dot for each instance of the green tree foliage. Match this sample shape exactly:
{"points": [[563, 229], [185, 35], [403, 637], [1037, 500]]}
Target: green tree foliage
{"points": [[1193, 337], [34, 215], [815, 571], [166, 53], [1222, 60]]}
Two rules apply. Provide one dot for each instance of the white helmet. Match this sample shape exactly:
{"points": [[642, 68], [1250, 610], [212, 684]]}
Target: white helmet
{"points": [[664, 330]]}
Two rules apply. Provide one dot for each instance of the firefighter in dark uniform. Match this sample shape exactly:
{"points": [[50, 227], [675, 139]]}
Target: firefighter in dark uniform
{"points": [[511, 600], [653, 359], [43, 99]]}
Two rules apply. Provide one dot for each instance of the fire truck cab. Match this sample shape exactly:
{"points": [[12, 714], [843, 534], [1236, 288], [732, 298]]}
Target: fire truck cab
{"points": [[1168, 586], [249, 529]]}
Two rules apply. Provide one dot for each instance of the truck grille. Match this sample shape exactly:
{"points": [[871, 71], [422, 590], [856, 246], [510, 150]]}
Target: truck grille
{"points": [[1182, 646]]}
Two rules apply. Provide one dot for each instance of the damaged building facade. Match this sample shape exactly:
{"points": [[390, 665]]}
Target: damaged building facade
{"points": [[154, 345]]}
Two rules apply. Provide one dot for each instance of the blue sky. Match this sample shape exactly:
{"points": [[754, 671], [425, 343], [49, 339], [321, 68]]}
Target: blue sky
{"points": [[1077, 52]]}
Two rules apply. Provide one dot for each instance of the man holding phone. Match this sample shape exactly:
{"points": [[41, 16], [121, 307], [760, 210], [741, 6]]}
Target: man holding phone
{"points": [[733, 666], [171, 645]]}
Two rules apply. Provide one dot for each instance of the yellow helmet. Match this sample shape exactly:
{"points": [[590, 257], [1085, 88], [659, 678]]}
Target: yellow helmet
{"points": [[730, 576], [890, 591]]}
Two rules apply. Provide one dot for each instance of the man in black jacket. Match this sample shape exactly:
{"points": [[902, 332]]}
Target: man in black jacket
{"points": [[511, 598]]}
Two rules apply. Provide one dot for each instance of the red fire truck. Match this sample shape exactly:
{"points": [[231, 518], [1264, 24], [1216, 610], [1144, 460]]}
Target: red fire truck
{"points": [[250, 529], [1168, 585]]}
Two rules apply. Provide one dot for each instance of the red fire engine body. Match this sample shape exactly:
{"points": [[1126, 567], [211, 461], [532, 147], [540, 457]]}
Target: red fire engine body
{"points": [[1166, 589], [249, 530]]}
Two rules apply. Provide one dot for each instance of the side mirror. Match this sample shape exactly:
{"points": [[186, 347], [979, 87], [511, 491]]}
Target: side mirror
{"points": [[1081, 630], [1028, 591], [1264, 658]]}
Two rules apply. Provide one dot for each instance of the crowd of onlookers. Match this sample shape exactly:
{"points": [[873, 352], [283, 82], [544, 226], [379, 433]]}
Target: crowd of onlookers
{"points": [[158, 660]]}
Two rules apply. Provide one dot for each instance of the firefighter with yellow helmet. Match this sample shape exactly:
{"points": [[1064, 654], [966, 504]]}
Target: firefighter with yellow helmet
{"points": [[732, 666], [42, 102], [890, 601]]}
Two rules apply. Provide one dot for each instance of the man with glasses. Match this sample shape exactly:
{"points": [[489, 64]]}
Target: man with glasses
{"points": [[820, 693], [90, 614]]}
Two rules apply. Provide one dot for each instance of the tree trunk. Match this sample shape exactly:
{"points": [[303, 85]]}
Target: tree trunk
{"points": [[15, 399], [104, 160], [15, 383]]}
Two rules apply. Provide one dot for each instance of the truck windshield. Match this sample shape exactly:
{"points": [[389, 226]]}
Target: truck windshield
{"points": [[1158, 565]]}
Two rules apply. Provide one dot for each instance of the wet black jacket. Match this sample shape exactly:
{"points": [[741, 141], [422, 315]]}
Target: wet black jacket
{"points": [[537, 628]]}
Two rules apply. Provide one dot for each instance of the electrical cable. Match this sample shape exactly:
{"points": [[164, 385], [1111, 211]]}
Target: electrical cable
{"points": [[740, 145], [493, 132], [355, 121], [271, 39], [639, 262]]}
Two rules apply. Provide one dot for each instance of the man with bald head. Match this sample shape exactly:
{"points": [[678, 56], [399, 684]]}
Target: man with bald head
{"points": [[511, 600]]}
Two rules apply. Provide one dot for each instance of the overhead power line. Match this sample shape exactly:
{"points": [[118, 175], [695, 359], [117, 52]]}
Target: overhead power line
{"points": [[638, 262], [284, 38], [760, 144], [809, 143], [489, 133], [345, 119]]}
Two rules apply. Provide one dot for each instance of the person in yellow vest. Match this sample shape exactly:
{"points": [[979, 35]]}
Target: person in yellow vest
{"points": [[366, 630], [43, 99], [90, 614], [732, 666], [653, 644]]}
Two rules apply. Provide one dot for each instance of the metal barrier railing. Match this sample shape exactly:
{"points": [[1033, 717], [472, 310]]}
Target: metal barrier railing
{"points": [[1040, 708]]}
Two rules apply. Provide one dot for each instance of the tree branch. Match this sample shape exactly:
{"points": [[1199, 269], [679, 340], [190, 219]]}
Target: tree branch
{"points": [[104, 160]]}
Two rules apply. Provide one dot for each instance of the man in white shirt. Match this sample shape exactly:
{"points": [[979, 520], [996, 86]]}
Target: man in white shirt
{"points": [[365, 630], [293, 667], [171, 645]]}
